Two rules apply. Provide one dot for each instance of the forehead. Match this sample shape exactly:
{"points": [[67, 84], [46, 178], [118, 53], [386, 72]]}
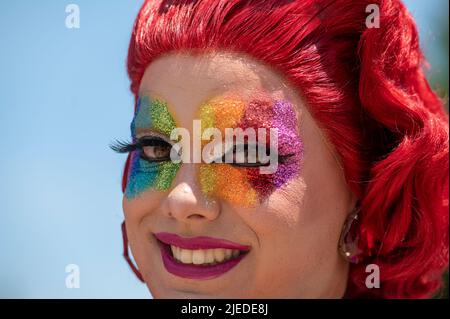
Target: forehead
{"points": [[186, 79]]}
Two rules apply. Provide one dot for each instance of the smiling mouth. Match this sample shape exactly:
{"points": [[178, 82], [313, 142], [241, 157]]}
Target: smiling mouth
{"points": [[199, 257], [203, 257]]}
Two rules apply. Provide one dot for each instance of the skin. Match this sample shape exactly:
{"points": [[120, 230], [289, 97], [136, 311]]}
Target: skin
{"points": [[293, 234]]}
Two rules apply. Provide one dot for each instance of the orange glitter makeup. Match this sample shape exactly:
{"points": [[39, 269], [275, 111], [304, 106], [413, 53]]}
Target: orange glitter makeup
{"points": [[245, 186]]}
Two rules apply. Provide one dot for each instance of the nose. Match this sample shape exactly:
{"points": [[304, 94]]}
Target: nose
{"points": [[186, 202]]}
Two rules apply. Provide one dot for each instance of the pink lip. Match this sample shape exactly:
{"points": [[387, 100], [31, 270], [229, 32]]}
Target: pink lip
{"points": [[201, 242], [197, 271]]}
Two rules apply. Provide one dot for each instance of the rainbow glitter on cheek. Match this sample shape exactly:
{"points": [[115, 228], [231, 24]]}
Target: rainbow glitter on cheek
{"points": [[227, 183], [223, 180], [143, 175], [246, 186]]}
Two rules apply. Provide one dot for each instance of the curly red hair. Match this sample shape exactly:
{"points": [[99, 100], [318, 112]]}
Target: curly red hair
{"points": [[367, 90]]}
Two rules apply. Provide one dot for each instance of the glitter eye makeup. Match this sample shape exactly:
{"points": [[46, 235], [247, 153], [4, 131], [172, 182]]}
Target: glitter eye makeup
{"points": [[241, 184], [150, 166], [153, 148], [246, 186]]}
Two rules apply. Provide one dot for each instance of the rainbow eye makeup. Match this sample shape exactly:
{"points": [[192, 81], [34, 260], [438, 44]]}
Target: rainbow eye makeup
{"points": [[158, 171], [247, 186], [240, 184]]}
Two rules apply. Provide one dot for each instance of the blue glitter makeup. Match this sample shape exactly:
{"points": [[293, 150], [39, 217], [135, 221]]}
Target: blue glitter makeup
{"points": [[151, 114]]}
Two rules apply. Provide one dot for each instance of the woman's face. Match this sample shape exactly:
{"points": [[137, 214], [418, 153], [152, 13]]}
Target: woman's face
{"points": [[227, 230]]}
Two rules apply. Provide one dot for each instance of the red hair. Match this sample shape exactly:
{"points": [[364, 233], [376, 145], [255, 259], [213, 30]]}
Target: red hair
{"points": [[366, 89]]}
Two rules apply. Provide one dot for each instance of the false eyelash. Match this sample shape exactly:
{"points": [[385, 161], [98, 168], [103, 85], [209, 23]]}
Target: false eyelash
{"points": [[123, 147], [282, 159], [127, 147]]}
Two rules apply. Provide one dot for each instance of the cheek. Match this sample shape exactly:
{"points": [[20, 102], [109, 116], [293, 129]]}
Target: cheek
{"points": [[143, 176], [281, 215], [266, 184], [244, 186], [227, 183]]}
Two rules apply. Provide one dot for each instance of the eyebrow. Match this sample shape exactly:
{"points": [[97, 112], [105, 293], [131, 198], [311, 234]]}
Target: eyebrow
{"points": [[148, 130]]}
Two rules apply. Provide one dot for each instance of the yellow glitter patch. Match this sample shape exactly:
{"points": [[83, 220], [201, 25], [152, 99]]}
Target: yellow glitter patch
{"points": [[223, 180], [222, 113], [207, 179], [166, 174], [207, 116], [161, 118]]}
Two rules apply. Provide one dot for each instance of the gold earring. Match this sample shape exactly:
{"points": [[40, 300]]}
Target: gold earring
{"points": [[348, 240]]}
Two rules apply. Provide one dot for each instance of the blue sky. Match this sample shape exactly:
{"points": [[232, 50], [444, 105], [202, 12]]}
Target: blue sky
{"points": [[64, 96]]}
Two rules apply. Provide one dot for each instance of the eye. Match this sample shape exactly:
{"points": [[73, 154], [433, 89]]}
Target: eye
{"points": [[156, 152], [240, 156], [154, 149], [151, 148], [243, 151]]}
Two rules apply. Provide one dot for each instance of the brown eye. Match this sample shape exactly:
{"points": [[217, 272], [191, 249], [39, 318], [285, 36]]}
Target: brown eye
{"points": [[154, 149], [160, 152]]}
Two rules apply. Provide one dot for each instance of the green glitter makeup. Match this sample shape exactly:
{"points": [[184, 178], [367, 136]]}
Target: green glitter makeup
{"points": [[241, 185], [151, 114]]}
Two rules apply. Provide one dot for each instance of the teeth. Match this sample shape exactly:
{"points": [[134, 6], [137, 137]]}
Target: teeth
{"points": [[198, 257], [209, 256], [186, 256], [203, 256], [219, 254], [177, 252]]}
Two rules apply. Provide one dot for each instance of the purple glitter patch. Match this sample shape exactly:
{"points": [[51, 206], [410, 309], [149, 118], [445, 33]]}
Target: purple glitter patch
{"points": [[280, 115]]}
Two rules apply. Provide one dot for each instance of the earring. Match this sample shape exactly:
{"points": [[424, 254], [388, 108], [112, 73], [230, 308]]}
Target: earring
{"points": [[126, 255], [348, 241]]}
